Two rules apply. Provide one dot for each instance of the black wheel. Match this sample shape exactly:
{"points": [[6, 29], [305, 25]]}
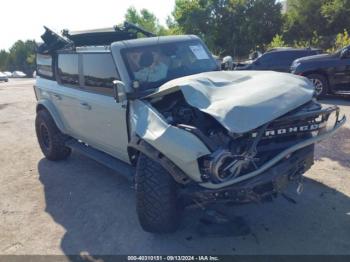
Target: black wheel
{"points": [[321, 84], [51, 140], [158, 208]]}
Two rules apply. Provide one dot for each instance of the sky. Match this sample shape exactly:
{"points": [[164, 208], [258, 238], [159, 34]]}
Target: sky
{"points": [[22, 20]]}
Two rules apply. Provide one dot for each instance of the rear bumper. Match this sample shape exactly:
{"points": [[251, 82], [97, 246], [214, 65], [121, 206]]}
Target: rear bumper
{"points": [[271, 182]]}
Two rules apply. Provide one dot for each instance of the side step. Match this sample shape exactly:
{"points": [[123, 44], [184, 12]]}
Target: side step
{"points": [[113, 163]]}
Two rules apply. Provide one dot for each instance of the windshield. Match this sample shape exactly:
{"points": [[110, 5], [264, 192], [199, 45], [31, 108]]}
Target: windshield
{"points": [[338, 52], [151, 66]]}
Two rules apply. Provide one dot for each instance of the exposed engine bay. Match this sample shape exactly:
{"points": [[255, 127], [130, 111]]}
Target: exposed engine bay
{"points": [[233, 154]]}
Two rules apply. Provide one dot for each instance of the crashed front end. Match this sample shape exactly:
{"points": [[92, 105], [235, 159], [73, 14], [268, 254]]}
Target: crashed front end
{"points": [[233, 136]]}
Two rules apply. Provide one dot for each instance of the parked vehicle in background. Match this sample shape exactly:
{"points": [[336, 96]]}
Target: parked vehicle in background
{"points": [[3, 77], [159, 111], [9, 74], [278, 59], [18, 74], [330, 73]]}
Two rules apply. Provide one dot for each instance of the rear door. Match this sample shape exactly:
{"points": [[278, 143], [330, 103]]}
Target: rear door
{"points": [[103, 120], [66, 95]]}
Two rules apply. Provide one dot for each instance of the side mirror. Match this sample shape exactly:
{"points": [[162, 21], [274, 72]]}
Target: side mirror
{"points": [[227, 63], [119, 91]]}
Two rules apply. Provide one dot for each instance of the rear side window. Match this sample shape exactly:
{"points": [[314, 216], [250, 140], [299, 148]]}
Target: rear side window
{"points": [[99, 71], [266, 59], [68, 69], [44, 66]]}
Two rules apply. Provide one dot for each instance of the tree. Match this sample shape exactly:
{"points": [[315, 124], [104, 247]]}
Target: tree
{"points": [[325, 18], [21, 56], [4, 57], [302, 19], [277, 41], [233, 27], [145, 19]]}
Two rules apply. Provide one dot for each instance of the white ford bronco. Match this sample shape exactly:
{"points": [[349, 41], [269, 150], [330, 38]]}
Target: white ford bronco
{"points": [[159, 111]]}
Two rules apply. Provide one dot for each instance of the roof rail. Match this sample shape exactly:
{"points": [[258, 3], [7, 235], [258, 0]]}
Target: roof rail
{"points": [[96, 37]]}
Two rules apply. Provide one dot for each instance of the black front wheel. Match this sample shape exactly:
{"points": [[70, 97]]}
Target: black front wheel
{"points": [[320, 84], [158, 208]]}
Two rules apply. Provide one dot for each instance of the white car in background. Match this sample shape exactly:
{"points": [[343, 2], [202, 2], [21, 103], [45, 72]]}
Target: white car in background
{"points": [[3, 77], [9, 74], [18, 74]]}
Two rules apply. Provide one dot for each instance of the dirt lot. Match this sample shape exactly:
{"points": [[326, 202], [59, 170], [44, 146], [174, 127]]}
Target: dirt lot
{"points": [[78, 206]]}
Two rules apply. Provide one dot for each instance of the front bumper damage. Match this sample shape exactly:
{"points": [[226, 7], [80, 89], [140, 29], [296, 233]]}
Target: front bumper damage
{"points": [[271, 178], [179, 152], [256, 189], [321, 135]]}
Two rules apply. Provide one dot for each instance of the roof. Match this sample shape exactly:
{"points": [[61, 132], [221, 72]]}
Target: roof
{"points": [[157, 40], [95, 37], [281, 49]]}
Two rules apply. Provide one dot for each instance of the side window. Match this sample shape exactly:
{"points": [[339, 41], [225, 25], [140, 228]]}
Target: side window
{"points": [[99, 71], [266, 59], [44, 66], [287, 58], [279, 58], [68, 69]]}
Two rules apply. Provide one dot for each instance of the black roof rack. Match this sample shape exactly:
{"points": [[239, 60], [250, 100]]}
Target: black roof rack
{"points": [[97, 37]]}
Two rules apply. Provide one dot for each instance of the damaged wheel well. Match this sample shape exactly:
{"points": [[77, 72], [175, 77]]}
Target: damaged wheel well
{"points": [[138, 145]]}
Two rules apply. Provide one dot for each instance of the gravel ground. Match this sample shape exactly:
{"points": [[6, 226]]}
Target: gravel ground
{"points": [[80, 207]]}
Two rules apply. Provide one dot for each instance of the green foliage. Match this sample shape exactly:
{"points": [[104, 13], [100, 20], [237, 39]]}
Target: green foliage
{"points": [[145, 19], [277, 41], [21, 56], [342, 40], [337, 14], [314, 22], [4, 57], [302, 19], [229, 26]]}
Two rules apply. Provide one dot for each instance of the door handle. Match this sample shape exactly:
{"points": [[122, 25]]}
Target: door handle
{"points": [[58, 97], [85, 105]]}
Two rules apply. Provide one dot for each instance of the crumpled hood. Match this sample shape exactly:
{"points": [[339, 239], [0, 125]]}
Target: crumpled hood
{"points": [[242, 100]]}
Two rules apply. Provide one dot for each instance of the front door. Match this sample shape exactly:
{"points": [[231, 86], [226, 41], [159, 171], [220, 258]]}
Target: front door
{"points": [[103, 120], [342, 72]]}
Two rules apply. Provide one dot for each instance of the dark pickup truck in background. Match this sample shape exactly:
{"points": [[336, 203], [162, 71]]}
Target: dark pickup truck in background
{"points": [[330, 73], [278, 59]]}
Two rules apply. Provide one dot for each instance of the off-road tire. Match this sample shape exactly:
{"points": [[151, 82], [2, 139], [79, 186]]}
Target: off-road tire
{"points": [[158, 208], [323, 81], [50, 138]]}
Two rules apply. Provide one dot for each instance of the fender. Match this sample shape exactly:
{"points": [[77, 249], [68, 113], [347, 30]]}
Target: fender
{"points": [[181, 147], [49, 106], [145, 148]]}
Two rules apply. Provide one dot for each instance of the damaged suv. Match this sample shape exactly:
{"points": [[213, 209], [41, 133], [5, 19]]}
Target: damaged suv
{"points": [[159, 111]]}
